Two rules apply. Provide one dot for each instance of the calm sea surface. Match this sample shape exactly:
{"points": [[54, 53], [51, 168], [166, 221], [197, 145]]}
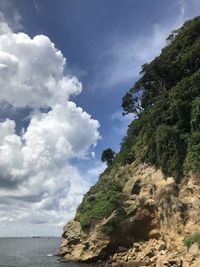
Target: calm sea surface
{"points": [[33, 252]]}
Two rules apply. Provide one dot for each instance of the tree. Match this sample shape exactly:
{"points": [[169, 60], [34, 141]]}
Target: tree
{"points": [[165, 102], [131, 103], [108, 156], [195, 115]]}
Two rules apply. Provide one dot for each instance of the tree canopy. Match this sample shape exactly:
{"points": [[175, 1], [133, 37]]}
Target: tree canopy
{"points": [[108, 156], [166, 104]]}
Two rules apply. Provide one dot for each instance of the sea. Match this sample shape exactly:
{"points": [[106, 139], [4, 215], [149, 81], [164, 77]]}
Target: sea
{"points": [[32, 252]]}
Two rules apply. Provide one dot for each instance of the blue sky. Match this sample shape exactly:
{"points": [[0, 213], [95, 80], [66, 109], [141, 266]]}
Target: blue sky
{"points": [[98, 39], [104, 43]]}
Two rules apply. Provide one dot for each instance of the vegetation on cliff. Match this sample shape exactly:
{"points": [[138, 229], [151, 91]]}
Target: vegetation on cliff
{"points": [[165, 131], [192, 239]]}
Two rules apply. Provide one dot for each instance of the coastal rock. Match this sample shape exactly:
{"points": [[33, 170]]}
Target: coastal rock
{"points": [[79, 246], [158, 218]]}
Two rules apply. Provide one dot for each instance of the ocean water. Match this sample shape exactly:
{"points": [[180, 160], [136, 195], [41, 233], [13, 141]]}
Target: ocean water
{"points": [[33, 252]]}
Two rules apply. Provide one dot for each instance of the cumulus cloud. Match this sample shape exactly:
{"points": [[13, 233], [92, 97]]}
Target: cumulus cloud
{"points": [[38, 184], [32, 72]]}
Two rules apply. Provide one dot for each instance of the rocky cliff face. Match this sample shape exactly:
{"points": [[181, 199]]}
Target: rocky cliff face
{"points": [[158, 216]]}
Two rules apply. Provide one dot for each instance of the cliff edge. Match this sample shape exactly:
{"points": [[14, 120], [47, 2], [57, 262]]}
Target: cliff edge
{"points": [[145, 208]]}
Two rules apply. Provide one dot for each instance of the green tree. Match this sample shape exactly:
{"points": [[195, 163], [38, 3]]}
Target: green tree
{"points": [[192, 162], [166, 104], [195, 116], [131, 103], [170, 150], [108, 156]]}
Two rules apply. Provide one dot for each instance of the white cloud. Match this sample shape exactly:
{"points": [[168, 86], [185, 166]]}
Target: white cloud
{"points": [[65, 132], [12, 20], [39, 187], [38, 7], [120, 123], [125, 56], [94, 172], [38, 184], [190, 8], [4, 27], [117, 116], [32, 72], [48, 197], [182, 4]]}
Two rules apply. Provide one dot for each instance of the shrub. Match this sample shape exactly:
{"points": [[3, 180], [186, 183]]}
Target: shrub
{"points": [[192, 239], [112, 224], [192, 162], [170, 150], [100, 206]]}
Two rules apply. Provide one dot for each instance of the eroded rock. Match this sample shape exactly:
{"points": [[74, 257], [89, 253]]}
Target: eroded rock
{"points": [[158, 217]]}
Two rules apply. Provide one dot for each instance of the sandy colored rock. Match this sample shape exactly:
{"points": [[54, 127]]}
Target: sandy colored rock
{"points": [[194, 250], [196, 263], [159, 217]]}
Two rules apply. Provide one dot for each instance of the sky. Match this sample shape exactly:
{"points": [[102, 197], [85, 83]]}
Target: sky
{"points": [[64, 67]]}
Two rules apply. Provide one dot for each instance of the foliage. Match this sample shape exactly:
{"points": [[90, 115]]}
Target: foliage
{"points": [[192, 239], [192, 162], [195, 116], [131, 103], [112, 224], [100, 204], [108, 156], [165, 131], [170, 150]]}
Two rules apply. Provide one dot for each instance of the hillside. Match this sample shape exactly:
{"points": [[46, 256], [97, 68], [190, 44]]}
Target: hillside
{"points": [[146, 203]]}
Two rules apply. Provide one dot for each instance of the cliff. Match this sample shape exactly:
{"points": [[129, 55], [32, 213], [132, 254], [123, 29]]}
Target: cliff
{"points": [[145, 208], [158, 217]]}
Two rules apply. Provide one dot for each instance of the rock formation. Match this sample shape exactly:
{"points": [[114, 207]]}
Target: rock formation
{"points": [[159, 216]]}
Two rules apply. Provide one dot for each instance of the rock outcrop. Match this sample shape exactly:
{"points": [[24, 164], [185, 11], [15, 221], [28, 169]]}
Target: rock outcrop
{"points": [[159, 215]]}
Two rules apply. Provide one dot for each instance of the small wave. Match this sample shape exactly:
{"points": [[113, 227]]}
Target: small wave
{"points": [[49, 255]]}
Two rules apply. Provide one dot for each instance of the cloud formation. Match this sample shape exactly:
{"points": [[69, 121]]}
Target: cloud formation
{"points": [[12, 21], [32, 72], [38, 184], [4, 28]]}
